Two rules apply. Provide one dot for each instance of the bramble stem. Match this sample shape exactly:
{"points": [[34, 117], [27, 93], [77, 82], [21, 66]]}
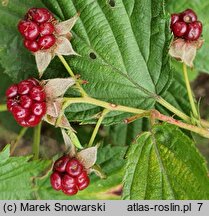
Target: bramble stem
{"points": [[36, 141], [189, 91], [202, 131], [96, 129], [64, 62], [109, 106], [3, 108], [16, 141], [173, 109]]}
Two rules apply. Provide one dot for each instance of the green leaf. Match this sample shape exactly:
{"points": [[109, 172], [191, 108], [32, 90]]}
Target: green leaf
{"points": [[111, 161], [16, 175], [201, 7], [165, 164], [131, 64]]}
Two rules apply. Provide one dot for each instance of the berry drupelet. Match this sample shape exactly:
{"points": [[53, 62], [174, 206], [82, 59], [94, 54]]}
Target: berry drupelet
{"points": [[69, 175], [186, 25], [37, 29], [26, 101]]}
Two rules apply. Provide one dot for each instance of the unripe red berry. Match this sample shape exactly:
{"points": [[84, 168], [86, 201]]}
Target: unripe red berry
{"points": [[12, 91], [174, 18], [38, 109], [74, 168], [70, 191], [31, 45], [46, 29], [56, 181], [37, 93], [39, 15], [47, 41], [68, 182], [33, 120], [19, 112], [11, 103], [28, 29], [26, 101], [194, 31], [84, 185], [24, 87], [179, 29], [60, 164], [188, 16]]}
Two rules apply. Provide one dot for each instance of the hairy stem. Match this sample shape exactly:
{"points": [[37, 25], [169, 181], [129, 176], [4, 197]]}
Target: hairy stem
{"points": [[36, 141], [202, 131], [3, 108], [173, 109], [99, 122], [64, 62], [189, 91], [16, 141]]}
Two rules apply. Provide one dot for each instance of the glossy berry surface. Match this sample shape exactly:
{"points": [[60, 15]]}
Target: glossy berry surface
{"points": [[74, 168], [194, 31], [47, 41], [26, 101], [37, 29], [186, 25], [188, 16], [179, 29], [56, 181], [73, 175], [61, 163]]}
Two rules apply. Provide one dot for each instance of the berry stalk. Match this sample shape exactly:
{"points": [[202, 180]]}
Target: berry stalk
{"points": [[189, 91], [62, 59], [16, 141], [96, 129], [3, 108], [36, 141]]}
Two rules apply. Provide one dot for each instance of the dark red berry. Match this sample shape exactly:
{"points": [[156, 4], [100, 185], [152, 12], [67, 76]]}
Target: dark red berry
{"points": [[46, 29], [11, 103], [39, 109], [68, 182], [28, 29], [70, 191], [23, 123], [33, 120], [37, 93], [174, 18], [19, 112], [56, 180], [74, 168], [31, 45], [24, 87], [47, 41], [33, 81], [82, 177], [39, 15], [188, 16], [12, 91], [84, 185], [194, 31], [179, 29], [61, 163], [26, 101]]}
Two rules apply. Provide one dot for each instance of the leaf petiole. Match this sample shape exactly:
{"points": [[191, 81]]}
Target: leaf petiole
{"points": [[96, 129], [36, 141]]}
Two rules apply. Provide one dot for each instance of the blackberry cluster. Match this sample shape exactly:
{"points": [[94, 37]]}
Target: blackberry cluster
{"points": [[186, 25], [37, 28], [26, 101], [69, 176]]}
